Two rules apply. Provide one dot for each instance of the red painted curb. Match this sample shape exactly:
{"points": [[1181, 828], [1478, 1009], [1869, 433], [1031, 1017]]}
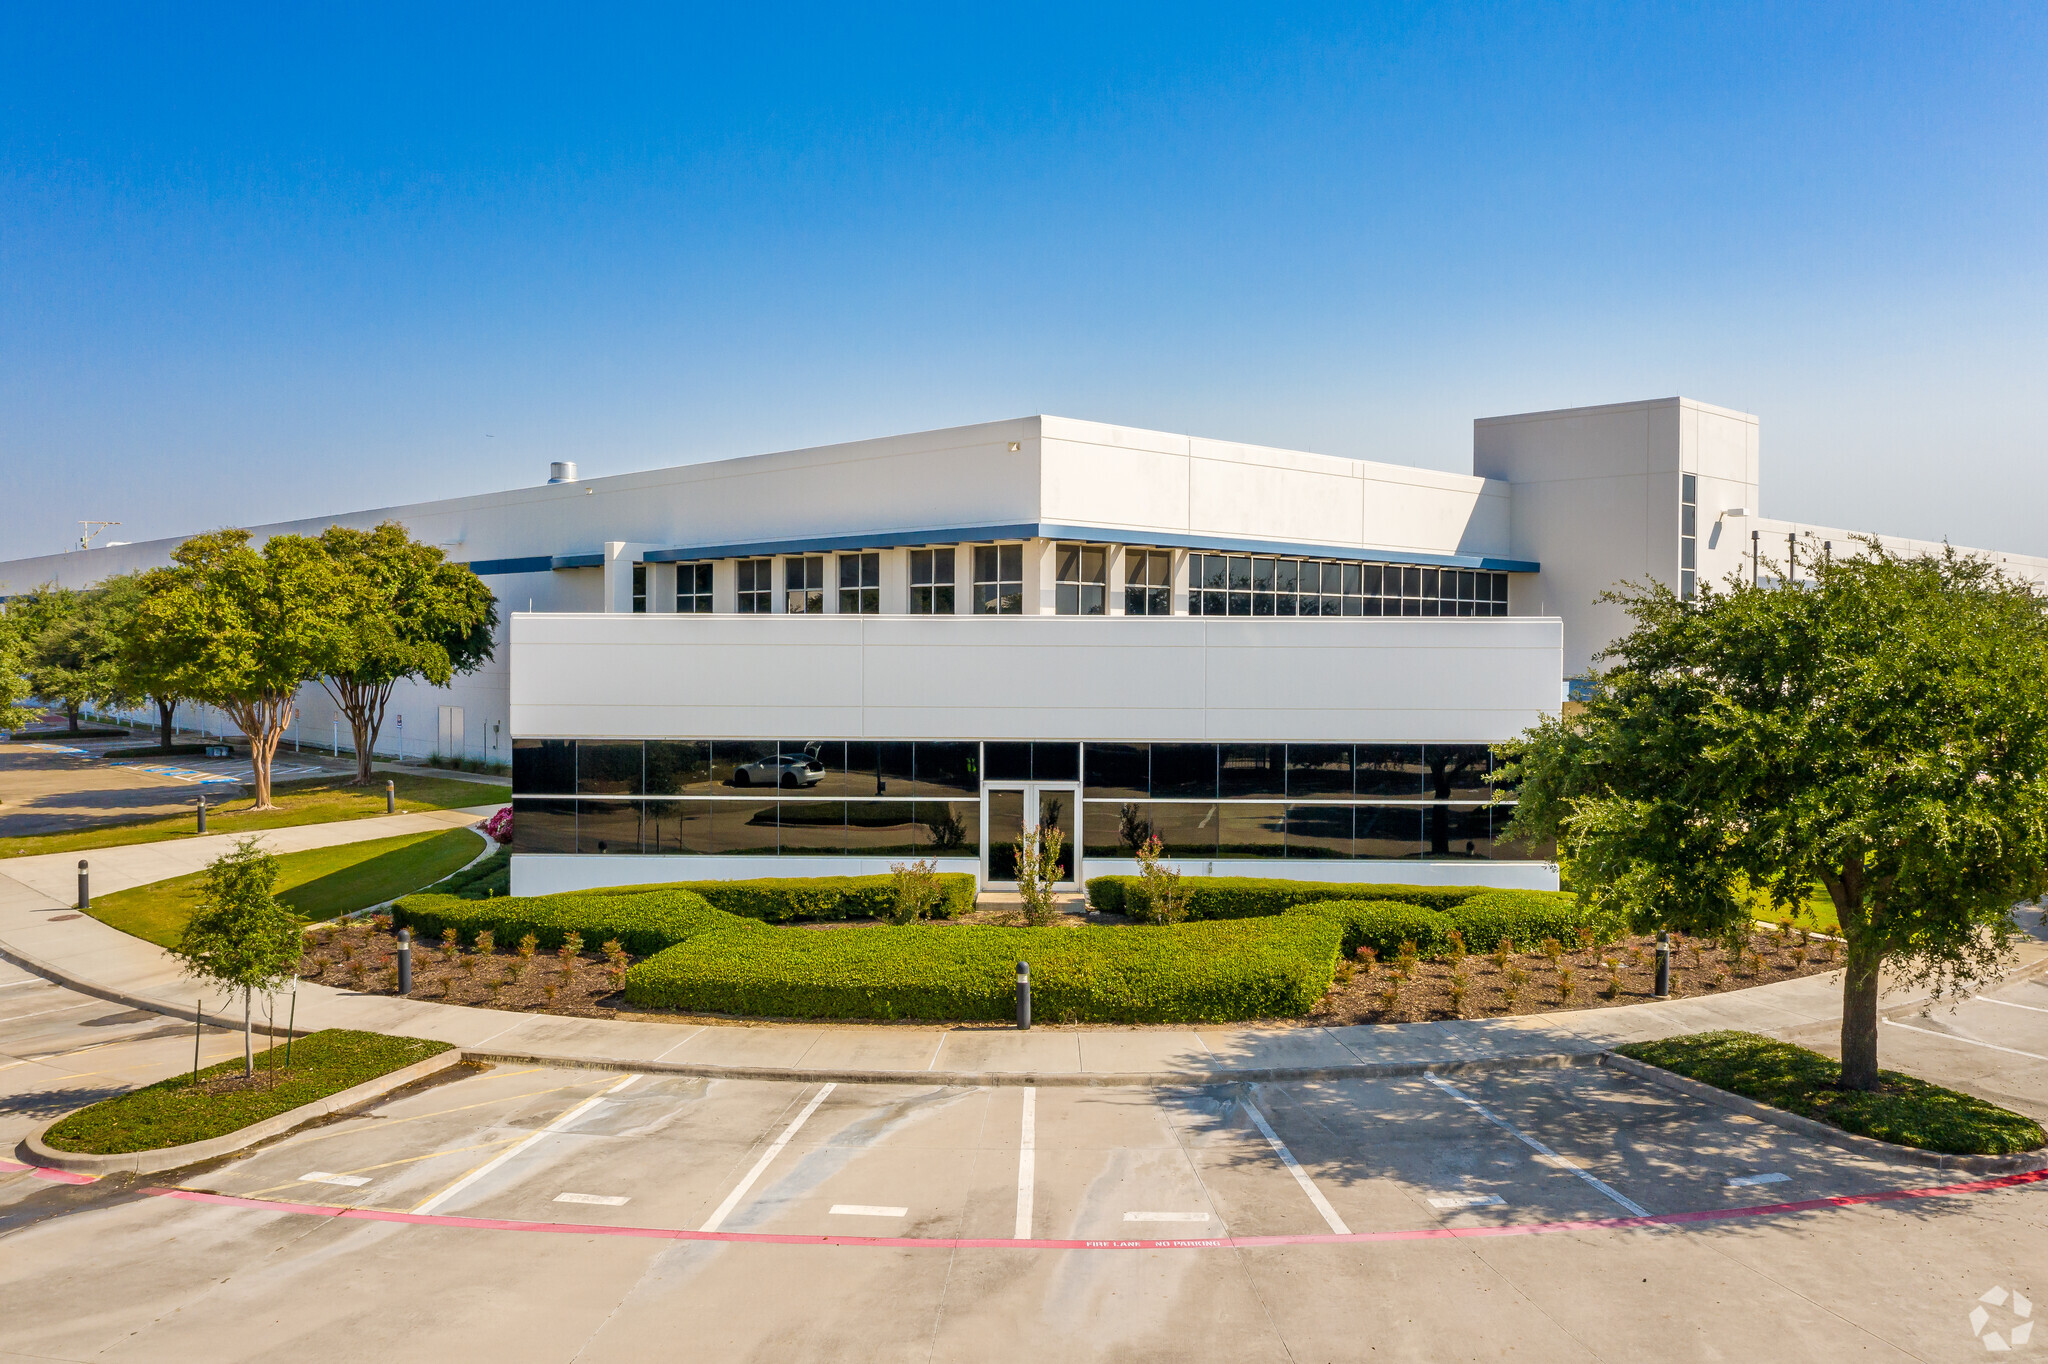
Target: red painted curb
{"points": [[1669, 1219], [13, 1167]]}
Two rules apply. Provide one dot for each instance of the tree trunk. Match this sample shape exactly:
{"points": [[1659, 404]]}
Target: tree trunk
{"points": [[1859, 1015], [365, 728], [71, 714], [164, 710], [248, 1035]]}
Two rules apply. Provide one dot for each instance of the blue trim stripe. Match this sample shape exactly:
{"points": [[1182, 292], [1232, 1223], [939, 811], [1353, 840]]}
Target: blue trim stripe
{"points": [[539, 563]]}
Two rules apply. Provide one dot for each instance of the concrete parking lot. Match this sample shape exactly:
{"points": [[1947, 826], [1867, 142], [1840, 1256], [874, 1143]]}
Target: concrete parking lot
{"points": [[1462, 1216]]}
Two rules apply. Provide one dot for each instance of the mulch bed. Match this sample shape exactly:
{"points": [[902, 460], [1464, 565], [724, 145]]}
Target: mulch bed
{"points": [[1622, 972], [362, 956]]}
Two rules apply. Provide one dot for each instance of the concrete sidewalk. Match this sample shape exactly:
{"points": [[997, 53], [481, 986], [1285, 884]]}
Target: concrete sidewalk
{"points": [[41, 931]]}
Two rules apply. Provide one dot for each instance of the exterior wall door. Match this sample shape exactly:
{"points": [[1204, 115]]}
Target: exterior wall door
{"points": [[448, 741], [1010, 809]]}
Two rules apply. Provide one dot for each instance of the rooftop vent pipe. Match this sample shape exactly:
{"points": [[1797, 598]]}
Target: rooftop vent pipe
{"points": [[562, 471]]}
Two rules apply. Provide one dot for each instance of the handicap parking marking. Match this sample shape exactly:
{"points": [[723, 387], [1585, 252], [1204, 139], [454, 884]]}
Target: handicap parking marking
{"points": [[601, 1200], [1550, 1157], [867, 1210], [322, 1177], [1749, 1181]]}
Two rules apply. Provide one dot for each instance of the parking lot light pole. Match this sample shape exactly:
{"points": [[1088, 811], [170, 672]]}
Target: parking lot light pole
{"points": [[1663, 964], [1024, 995]]}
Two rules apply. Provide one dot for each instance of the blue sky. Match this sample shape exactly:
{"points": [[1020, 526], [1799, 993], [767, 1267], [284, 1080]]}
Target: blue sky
{"points": [[257, 265]]}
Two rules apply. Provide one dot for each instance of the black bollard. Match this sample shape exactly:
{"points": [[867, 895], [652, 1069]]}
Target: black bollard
{"points": [[404, 961], [202, 814], [1663, 964], [390, 797], [84, 887], [1024, 995]]}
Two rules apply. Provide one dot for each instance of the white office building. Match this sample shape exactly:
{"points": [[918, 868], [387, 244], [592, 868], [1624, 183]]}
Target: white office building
{"points": [[828, 660]]}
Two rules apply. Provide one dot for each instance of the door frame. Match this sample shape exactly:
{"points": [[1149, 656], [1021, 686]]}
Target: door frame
{"points": [[1031, 791]]}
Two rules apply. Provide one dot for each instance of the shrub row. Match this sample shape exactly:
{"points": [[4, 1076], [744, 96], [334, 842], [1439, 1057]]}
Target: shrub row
{"points": [[785, 899], [1185, 973], [492, 876], [1249, 897], [1525, 916], [644, 923]]}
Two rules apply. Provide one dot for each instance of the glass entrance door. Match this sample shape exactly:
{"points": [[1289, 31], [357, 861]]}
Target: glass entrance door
{"points": [[1012, 810]]}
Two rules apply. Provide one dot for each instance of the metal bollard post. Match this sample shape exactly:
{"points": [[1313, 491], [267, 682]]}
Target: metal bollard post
{"points": [[1024, 995], [84, 886], [390, 797], [404, 961], [202, 814], [1663, 964]]}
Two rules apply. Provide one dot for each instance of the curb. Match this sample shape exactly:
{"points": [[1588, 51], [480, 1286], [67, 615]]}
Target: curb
{"points": [[36, 1152], [1820, 1131], [1125, 1079], [213, 1018]]}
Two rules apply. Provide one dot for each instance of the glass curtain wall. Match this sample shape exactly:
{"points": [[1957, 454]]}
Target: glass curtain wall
{"points": [[1248, 585], [869, 798]]}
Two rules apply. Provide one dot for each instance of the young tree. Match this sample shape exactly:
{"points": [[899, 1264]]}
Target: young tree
{"points": [[241, 938], [242, 629], [1882, 729], [411, 615], [1038, 871]]}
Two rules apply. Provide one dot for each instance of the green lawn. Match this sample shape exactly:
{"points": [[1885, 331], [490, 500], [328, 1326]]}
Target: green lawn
{"points": [[172, 1113], [302, 802], [317, 884], [1909, 1112]]}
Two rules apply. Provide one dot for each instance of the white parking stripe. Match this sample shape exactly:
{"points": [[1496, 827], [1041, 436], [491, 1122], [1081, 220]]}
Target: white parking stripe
{"points": [[1477, 1200], [1634, 1209], [557, 1125], [1027, 1142], [1981, 999], [1970, 1041], [1308, 1186], [322, 1177], [732, 1200], [1749, 1181], [867, 1210], [1166, 1217], [16, 1018], [602, 1200]]}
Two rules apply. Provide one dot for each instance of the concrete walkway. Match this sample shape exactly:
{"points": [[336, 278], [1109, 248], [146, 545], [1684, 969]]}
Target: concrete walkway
{"points": [[41, 931]]}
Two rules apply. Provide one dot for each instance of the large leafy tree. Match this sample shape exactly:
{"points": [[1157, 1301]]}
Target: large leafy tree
{"points": [[136, 673], [411, 616], [70, 652], [14, 688], [243, 629], [1882, 728], [241, 938]]}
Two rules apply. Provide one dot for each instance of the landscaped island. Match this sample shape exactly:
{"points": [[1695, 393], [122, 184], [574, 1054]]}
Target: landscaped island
{"points": [[1251, 949]]}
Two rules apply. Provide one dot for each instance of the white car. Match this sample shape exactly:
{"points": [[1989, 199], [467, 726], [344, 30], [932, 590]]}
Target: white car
{"points": [[784, 769]]}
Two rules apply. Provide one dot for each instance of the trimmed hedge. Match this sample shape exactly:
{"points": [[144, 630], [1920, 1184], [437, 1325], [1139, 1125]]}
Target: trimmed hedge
{"points": [[1249, 897], [1382, 925], [1526, 916], [1184, 973], [785, 899], [644, 923]]}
